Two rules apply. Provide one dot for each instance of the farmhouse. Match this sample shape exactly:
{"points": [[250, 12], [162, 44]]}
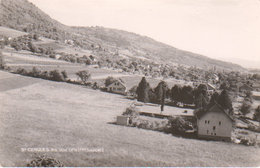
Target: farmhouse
{"points": [[117, 87], [214, 123]]}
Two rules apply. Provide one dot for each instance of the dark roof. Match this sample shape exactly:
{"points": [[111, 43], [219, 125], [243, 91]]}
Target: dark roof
{"points": [[200, 112]]}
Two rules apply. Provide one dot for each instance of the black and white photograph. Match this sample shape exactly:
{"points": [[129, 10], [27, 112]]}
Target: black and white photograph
{"points": [[129, 83]]}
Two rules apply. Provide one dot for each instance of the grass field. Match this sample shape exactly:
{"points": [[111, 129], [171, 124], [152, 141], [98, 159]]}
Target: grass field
{"points": [[10, 32], [49, 114], [27, 60]]}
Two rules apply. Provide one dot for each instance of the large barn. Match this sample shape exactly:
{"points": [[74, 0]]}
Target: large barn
{"points": [[214, 123]]}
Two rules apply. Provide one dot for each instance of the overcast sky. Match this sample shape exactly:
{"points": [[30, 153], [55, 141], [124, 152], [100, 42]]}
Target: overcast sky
{"points": [[223, 29]]}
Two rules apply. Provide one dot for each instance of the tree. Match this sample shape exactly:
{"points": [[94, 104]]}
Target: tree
{"points": [[143, 91], [32, 47], [55, 75], [109, 80], [248, 96], [35, 72], [83, 75], [225, 101], [246, 107], [160, 91], [187, 95], [176, 93], [214, 98], [2, 62], [64, 74], [201, 101], [36, 37], [257, 114], [201, 96]]}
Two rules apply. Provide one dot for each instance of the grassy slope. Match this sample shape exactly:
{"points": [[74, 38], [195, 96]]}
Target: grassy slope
{"points": [[51, 114], [7, 32], [20, 14]]}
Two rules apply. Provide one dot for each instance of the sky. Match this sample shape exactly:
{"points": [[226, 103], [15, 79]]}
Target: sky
{"points": [[228, 30]]}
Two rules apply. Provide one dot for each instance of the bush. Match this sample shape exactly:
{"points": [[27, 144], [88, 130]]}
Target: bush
{"points": [[44, 161], [2, 62], [109, 80], [22, 71], [83, 75], [179, 125], [245, 108], [64, 74], [131, 111], [257, 114], [35, 72], [55, 75]]}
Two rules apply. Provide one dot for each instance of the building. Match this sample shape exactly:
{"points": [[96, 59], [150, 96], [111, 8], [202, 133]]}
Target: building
{"points": [[256, 95], [117, 87], [214, 123]]}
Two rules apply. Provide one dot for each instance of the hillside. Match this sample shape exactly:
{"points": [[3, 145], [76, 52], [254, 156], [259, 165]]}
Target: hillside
{"points": [[60, 116], [24, 16]]}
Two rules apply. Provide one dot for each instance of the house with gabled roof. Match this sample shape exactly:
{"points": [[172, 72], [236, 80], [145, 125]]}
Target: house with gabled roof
{"points": [[214, 123], [117, 87]]}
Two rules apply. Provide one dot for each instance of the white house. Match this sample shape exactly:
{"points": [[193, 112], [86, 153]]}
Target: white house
{"points": [[214, 123], [117, 87]]}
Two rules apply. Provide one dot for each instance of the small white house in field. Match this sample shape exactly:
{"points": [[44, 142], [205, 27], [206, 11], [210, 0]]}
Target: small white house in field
{"points": [[214, 123], [117, 87]]}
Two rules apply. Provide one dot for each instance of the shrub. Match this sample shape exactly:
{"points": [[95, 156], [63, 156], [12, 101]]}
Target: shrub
{"points": [[44, 75], [2, 62], [44, 161], [245, 108], [64, 74], [35, 72], [257, 114], [131, 111], [109, 80], [179, 125], [22, 71], [83, 75], [55, 75]]}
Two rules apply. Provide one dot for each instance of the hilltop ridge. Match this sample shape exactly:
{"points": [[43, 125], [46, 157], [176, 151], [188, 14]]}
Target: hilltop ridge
{"points": [[25, 16]]}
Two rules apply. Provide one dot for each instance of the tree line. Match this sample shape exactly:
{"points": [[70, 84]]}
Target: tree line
{"points": [[181, 94]]}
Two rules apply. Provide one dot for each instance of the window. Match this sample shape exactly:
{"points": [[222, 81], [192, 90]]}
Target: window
{"points": [[214, 128], [215, 134], [205, 121], [219, 123], [208, 122], [207, 131]]}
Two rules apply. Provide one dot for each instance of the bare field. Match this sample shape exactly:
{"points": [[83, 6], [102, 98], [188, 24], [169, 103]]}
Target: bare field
{"points": [[58, 115]]}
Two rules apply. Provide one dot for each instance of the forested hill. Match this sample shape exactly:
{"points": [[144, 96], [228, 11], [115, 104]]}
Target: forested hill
{"points": [[25, 16]]}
